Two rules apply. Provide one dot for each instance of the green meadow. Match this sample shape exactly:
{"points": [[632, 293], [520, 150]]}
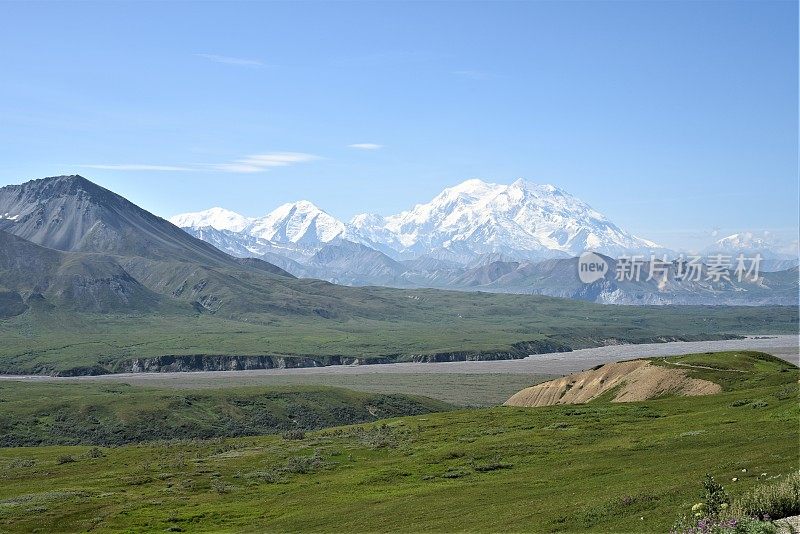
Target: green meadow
{"points": [[422, 324], [599, 466]]}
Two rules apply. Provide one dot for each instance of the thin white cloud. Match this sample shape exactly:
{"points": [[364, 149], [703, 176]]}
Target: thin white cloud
{"points": [[228, 60], [366, 146], [247, 164], [138, 167], [263, 162]]}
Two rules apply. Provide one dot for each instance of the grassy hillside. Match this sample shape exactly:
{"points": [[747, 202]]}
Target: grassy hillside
{"points": [[434, 325], [600, 466], [114, 414], [737, 370]]}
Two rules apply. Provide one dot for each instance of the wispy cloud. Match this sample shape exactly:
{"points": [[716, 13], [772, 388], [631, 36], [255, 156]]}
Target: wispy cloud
{"points": [[228, 60], [472, 74], [247, 164], [137, 167], [366, 146], [263, 162]]}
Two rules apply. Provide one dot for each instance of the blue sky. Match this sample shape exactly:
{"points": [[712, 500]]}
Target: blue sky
{"points": [[674, 119]]}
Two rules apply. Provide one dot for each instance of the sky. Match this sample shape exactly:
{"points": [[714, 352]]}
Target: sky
{"points": [[678, 121]]}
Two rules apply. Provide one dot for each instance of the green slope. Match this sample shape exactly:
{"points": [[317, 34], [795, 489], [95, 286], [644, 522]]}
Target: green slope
{"points": [[421, 324], [113, 414], [600, 467]]}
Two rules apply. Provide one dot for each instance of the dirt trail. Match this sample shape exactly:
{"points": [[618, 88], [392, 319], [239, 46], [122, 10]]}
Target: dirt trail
{"points": [[632, 381]]}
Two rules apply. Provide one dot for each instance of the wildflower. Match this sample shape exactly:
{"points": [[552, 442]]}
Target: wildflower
{"points": [[734, 479]]}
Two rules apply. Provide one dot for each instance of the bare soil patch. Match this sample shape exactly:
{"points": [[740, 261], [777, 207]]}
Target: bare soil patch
{"points": [[630, 381]]}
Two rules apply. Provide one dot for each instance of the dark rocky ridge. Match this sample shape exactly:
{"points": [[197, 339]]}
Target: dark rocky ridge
{"points": [[70, 213], [209, 362]]}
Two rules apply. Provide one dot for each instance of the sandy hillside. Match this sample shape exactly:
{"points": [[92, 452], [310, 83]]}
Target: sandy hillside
{"points": [[637, 380]]}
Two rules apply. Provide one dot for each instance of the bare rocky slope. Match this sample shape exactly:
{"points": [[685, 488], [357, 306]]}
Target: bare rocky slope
{"points": [[630, 381]]}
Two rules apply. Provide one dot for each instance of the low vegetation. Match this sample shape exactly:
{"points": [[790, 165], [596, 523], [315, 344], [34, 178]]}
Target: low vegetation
{"points": [[406, 324], [751, 513], [601, 466], [776, 499], [115, 414]]}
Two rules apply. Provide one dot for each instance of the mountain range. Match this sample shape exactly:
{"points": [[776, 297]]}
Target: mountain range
{"points": [[478, 236], [67, 240], [473, 219], [91, 283], [71, 243]]}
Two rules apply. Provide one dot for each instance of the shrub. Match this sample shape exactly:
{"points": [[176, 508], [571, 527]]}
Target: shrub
{"points": [[776, 501], [455, 474], [493, 466], [264, 477], [730, 525], [305, 464], [716, 498], [65, 459], [95, 453], [19, 463], [787, 392], [220, 487], [297, 435], [380, 437], [751, 513]]}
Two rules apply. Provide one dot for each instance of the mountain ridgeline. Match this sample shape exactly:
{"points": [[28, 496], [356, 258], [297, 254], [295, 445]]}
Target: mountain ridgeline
{"points": [[476, 236], [472, 219], [91, 283]]}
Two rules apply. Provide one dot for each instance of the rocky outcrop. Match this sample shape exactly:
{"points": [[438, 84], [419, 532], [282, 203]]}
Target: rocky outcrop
{"points": [[630, 381], [201, 362], [517, 351]]}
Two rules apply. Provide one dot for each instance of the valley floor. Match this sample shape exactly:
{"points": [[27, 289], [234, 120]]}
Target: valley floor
{"points": [[474, 383]]}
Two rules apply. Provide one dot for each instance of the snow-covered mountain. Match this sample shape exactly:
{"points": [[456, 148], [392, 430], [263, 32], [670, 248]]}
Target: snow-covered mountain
{"points": [[294, 229], [749, 242], [463, 223], [522, 220], [217, 218], [299, 222], [517, 238], [775, 255]]}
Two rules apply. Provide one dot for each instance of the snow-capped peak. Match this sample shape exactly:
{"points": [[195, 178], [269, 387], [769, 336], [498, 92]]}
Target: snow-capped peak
{"points": [[477, 217], [473, 187], [218, 218], [743, 240], [522, 220], [297, 222], [764, 243]]}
